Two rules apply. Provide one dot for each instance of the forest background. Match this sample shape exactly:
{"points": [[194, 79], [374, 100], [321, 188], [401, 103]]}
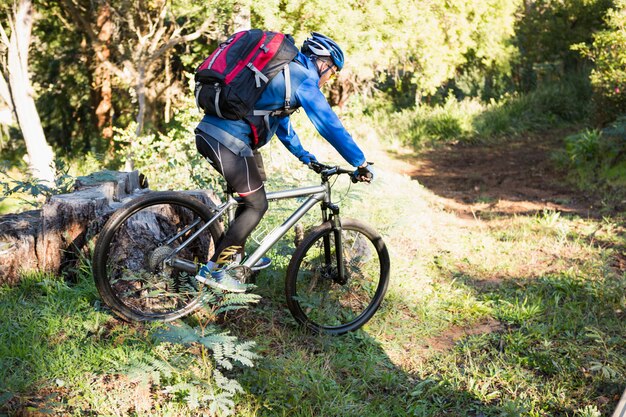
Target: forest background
{"points": [[104, 75], [89, 85]]}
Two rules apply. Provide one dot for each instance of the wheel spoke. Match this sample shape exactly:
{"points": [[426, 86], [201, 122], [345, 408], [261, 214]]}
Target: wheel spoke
{"points": [[130, 264]]}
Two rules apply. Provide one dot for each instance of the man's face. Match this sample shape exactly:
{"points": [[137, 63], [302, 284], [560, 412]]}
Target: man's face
{"points": [[328, 71]]}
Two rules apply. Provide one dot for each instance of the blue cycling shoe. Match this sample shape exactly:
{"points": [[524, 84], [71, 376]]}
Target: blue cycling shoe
{"points": [[262, 263]]}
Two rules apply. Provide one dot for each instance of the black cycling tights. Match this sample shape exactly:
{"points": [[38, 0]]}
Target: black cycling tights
{"points": [[244, 176]]}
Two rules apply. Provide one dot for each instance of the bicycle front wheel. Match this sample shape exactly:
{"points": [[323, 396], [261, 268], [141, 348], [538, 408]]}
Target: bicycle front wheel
{"points": [[316, 295], [132, 263]]}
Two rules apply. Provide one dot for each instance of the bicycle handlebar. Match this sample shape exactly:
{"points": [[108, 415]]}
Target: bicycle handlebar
{"points": [[327, 171]]}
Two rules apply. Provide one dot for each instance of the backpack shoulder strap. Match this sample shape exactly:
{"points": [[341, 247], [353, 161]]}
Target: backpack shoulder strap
{"points": [[287, 72], [287, 109]]}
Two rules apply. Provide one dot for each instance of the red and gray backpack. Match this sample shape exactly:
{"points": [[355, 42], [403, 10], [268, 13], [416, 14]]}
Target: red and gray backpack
{"points": [[232, 78]]}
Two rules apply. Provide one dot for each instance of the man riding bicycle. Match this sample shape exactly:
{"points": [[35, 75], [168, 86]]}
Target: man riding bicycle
{"points": [[226, 144]]}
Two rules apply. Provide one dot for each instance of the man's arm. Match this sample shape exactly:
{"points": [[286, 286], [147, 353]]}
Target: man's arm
{"points": [[328, 124], [290, 139]]}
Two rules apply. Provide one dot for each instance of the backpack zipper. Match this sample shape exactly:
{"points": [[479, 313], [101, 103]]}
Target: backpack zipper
{"points": [[217, 54]]}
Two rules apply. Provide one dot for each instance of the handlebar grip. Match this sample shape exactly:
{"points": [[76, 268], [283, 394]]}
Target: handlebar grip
{"points": [[317, 167]]}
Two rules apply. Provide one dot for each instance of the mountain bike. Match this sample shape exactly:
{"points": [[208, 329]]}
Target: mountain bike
{"points": [[148, 252]]}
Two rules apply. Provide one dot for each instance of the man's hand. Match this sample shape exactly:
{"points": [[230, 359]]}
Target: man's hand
{"points": [[364, 173], [307, 157]]}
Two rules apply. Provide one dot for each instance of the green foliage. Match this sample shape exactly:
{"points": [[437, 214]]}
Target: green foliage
{"points": [[34, 192], [554, 104], [169, 160], [545, 32], [597, 158], [470, 120], [63, 76], [210, 389], [383, 47], [608, 77], [216, 393], [471, 47]]}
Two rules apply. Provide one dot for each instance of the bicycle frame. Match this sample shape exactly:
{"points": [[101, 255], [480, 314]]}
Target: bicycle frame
{"points": [[316, 194]]}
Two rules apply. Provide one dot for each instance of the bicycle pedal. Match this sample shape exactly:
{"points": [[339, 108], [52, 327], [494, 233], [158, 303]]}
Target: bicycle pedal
{"points": [[239, 272]]}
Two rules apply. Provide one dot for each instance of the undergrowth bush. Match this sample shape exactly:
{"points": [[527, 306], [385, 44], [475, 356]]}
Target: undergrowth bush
{"points": [[608, 76], [597, 158], [471, 120], [169, 160], [30, 192]]}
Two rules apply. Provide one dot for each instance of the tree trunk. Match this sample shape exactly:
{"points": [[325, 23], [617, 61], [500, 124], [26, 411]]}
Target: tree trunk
{"points": [[140, 90], [40, 155], [54, 238], [168, 89], [340, 91], [103, 74]]}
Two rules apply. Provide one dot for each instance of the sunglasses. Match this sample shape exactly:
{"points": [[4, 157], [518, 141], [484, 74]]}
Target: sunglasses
{"points": [[333, 71], [330, 67]]}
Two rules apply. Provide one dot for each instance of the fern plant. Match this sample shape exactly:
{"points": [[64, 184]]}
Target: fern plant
{"points": [[203, 383]]}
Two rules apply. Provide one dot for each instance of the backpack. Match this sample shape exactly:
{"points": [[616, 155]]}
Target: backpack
{"points": [[230, 81]]}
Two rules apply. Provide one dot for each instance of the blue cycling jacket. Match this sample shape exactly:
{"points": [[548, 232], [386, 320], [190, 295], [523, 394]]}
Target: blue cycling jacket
{"points": [[305, 93]]}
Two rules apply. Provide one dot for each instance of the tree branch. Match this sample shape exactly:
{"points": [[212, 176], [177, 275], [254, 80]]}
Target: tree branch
{"points": [[23, 29], [79, 17], [180, 39]]}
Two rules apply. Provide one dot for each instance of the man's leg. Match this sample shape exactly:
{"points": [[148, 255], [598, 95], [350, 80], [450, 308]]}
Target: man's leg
{"points": [[243, 176]]}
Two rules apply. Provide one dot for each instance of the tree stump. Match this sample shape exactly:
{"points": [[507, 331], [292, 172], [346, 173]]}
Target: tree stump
{"points": [[54, 238]]}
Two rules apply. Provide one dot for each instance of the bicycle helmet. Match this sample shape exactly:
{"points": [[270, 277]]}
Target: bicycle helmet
{"points": [[321, 45]]}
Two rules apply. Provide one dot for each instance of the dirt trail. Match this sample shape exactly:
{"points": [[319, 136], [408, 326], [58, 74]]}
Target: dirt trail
{"points": [[515, 176], [475, 181]]}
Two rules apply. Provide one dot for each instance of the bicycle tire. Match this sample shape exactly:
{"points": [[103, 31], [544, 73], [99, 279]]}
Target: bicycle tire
{"points": [[129, 266], [315, 298]]}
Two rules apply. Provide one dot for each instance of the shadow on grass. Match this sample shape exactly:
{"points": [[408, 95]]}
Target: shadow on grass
{"points": [[349, 375], [561, 347], [352, 375], [51, 338], [514, 176]]}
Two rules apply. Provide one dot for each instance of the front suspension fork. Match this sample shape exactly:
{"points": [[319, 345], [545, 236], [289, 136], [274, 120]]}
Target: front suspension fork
{"points": [[336, 232]]}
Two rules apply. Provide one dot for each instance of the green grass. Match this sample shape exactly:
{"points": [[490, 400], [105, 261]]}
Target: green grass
{"points": [[557, 348], [55, 340], [502, 316]]}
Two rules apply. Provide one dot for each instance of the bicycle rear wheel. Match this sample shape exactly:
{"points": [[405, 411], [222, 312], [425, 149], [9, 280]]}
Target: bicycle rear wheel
{"points": [[132, 257], [314, 294]]}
